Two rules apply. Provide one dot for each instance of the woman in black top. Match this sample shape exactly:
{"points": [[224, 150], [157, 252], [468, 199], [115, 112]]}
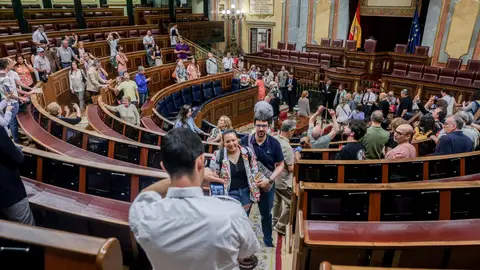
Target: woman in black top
{"points": [[384, 104], [237, 165], [56, 110]]}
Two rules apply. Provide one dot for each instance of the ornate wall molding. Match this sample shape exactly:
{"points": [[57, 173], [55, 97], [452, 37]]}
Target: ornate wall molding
{"points": [[388, 10]]}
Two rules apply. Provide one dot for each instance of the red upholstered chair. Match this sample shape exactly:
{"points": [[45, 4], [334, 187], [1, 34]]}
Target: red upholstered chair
{"points": [[314, 57], [351, 45], [400, 69], [294, 55], [91, 25], [155, 32], [133, 33], [325, 60], [24, 46], [49, 27], [337, 43], [421, 50], [275, 54], [464, 77], [98, 36], [303, 57], [142, 32], [473, 65], [4, 31], [105, 24], [122, 34], [10, 48], [108, 13], [115, 23], [370, 45], [448, 72], [476, 80], [325, 42], [284, 54], [39, 16], [88, 14], [454, 63], [401, 48], [74, 26], [67, 15], [443, 79], [85, 38], [63, 26], [281, 45], [99, 14], [56, 15], [431, 73], [415, 71], [291, 46], [266, 52], [14, 30]]}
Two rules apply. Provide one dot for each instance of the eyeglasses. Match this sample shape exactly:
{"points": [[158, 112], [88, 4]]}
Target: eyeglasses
{"points": [[261, 126]]}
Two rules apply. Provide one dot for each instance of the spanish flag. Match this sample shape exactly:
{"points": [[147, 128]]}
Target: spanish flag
{"points": [[356, 29]]}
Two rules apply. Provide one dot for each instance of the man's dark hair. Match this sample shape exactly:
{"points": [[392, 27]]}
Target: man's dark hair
{"points": [[261, 116], [43, 41], [180, 148], [149, 46], [358, 127], [3, 63], [442, 113]]}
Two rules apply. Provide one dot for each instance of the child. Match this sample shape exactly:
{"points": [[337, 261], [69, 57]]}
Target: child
{"points": [[244, 79]]}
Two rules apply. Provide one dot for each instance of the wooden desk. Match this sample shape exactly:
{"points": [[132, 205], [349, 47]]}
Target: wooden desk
{"points": [[57, 250], [350, 77]]}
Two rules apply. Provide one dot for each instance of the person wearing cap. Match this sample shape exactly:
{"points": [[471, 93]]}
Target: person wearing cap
{"points": [[42, 65], [283, 183], [39, 35], [142, 84]]}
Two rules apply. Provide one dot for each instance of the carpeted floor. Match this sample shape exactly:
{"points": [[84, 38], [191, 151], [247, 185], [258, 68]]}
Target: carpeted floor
{"points": [[268, 258]]}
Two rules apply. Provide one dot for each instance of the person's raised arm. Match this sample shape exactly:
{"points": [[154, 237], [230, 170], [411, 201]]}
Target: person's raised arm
{"points": [[336, 127], [313, 118]]}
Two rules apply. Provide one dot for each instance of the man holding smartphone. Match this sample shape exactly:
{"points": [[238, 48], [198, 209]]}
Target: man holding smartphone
{"points": [[185, 229]]}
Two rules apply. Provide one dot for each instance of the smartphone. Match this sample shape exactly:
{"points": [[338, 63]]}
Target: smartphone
{"points": [[217, 189], [298, 149]]}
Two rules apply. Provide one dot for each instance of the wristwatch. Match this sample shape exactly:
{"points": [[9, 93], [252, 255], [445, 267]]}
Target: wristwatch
{"points": [[270, 181]]}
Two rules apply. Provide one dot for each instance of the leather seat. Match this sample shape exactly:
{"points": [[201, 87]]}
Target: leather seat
{"points": [[67, 15], [325, 60], [133, 33], [217, 88], [197, 94], [325, 42], [476, 80], [56, 15], [207, 89], [294, 55], [275, 54], [88, 14], [338, 43], [351, 45], [454, 63], [122, 34], [142, 32], [63, 26], [303, 57], [447, 75], [421, 50], [415, 71], [284, 54], [401, 48], [444, 79], [464, 77], [24, 46], [235, 84], [314, 57], [74, 26], [370, 45], [91, 25], [177, 100], [4, 31], [430, 73], [105, 24], [473, 65], [10, 48], [115, 23], [155, 31], [108, 13], [281, 45], [14, 30], [162, 108], [98, 36], [267, 52], [99, 14], [84, 37], [39, 16], [400, 69], [291, 46], [49, 27], [187, 96]]}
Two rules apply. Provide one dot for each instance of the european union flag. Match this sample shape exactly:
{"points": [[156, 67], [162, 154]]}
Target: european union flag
{"points": [[415, 36]]}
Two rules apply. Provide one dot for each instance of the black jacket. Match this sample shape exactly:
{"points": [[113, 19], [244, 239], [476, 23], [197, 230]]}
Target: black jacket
{"points": [[11, 186]]}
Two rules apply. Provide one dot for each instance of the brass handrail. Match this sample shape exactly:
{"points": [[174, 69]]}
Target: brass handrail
{"points": [[202, 53]]}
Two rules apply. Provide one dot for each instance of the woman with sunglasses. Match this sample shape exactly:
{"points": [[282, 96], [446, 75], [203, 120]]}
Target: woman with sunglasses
{"points": [[237, 165]]}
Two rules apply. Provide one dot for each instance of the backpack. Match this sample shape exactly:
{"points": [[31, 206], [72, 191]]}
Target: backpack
{"points": [[113, 61]]}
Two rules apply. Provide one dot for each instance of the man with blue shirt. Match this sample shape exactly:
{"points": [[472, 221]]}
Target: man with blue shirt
{"points": [[270, 164], [142, 83], [455, 142]]}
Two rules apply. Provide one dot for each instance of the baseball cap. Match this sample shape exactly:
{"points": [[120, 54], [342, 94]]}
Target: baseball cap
{"points": [[39, 50]]}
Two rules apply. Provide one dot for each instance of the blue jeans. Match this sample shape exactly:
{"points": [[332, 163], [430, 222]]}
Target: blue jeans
{"points": [[143, 98], [66, 64], [241, 194], [14, 122], [265, 206], [120, 73]]}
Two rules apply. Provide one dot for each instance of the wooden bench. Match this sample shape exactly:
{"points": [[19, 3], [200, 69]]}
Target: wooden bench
{"points": [[108, 148], [425, 244], [98, 125], [89, 174], [387, 171], [44, 13], [28, 247]]}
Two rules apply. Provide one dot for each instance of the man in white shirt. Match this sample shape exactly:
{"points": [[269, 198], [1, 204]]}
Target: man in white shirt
{"points": [[227, 63], [39, 35], [212, 67], [368, 100], [185, 229]]}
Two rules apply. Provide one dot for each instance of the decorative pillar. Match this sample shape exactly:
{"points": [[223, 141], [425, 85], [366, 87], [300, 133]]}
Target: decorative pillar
{"points": [[131, 19], [47, 3], [79, 14], [18, 12], [171, 10]]}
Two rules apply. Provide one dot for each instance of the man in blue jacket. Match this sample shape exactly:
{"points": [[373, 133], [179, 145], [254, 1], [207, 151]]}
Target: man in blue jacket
{"points": [[455, 141]]}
